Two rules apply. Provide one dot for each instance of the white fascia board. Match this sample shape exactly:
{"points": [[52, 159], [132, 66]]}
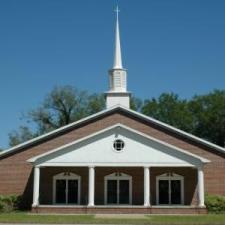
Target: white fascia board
{"points": [[105, 164], [132, 112], [201, 159]]}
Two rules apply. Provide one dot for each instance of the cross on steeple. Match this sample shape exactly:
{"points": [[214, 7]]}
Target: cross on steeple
{"points": [[117, 11]]}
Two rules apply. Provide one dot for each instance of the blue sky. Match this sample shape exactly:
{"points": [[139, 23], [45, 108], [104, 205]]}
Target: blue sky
{"points": [[167, 45]]}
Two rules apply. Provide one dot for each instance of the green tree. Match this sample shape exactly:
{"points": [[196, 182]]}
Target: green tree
{"points": [[60, 107], [170, 109], [96, 103], [136, 103], [208, 112], [203, 116], [21, 135]]}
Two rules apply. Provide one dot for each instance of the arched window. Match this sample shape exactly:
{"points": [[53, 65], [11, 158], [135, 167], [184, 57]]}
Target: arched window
{"points": [[66, 188], [170, 189], [118, 189]]}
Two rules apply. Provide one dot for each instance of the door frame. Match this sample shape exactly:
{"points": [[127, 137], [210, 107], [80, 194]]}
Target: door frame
{"points": [[117, 176], [169, 177], [66, 176]]}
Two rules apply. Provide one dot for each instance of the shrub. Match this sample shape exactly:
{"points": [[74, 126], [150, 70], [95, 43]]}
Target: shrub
{"points": [[9, 203], [215, 203]]}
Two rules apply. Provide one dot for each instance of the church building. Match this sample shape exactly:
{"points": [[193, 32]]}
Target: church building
{"points": [[115, 161]]}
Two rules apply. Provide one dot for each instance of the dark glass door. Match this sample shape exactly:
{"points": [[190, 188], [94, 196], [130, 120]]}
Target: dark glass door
{"points": [[72, 192], [163, 191], [61, 191], [124, 192], [112, 191], [175, 187]]}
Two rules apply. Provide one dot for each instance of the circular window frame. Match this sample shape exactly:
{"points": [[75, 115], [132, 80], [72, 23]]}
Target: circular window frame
{"points": [[114, 147]]}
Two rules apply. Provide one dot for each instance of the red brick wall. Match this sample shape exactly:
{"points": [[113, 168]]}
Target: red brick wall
{"points": [[16, 173]]}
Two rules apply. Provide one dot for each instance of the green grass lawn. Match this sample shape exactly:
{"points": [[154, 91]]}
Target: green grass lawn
{"points": [[90, 219]]}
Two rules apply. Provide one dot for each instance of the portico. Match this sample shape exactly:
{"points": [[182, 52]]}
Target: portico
{"points": [[95, 171], [135, 185], [118, 166]]}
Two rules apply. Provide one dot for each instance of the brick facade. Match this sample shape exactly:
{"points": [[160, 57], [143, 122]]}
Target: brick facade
{"points": [[16, 174]]}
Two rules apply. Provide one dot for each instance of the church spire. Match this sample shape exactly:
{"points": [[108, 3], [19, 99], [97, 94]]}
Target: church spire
{"points": [[117, 54], [117, 94]]}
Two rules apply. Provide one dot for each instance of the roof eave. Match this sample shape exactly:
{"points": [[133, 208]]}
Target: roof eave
{"points": [[96, 115]]}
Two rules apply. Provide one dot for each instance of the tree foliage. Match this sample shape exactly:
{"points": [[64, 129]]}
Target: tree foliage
{"points": [[136, 103], [61, 106], [203, 116], [208, 113], [170, 109], [21, 135]]}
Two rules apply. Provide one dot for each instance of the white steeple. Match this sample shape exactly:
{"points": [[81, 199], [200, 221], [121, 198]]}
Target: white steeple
{"points": [[117, 54], [117, 94]]}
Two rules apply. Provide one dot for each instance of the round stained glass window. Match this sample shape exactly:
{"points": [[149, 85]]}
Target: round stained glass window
{"points": [[118, 145]]}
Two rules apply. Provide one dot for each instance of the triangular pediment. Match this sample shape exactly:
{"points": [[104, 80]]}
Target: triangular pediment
{"points": [[99, 149]]}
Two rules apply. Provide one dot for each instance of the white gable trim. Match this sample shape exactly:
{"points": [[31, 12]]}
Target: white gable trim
{"points": [[36, 160], [117, 165], [96, 115]]}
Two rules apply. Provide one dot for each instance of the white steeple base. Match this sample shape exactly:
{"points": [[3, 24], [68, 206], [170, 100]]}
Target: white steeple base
{"points": [[118, 98]]}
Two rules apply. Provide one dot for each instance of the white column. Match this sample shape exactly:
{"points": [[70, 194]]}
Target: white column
{"points": [[146, 186], [91, 187], [201, 192], [36, 186]]}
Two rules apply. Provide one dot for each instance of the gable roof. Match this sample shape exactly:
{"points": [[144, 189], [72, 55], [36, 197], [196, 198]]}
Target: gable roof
{"points": [[108, 111], [118, 128]]}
